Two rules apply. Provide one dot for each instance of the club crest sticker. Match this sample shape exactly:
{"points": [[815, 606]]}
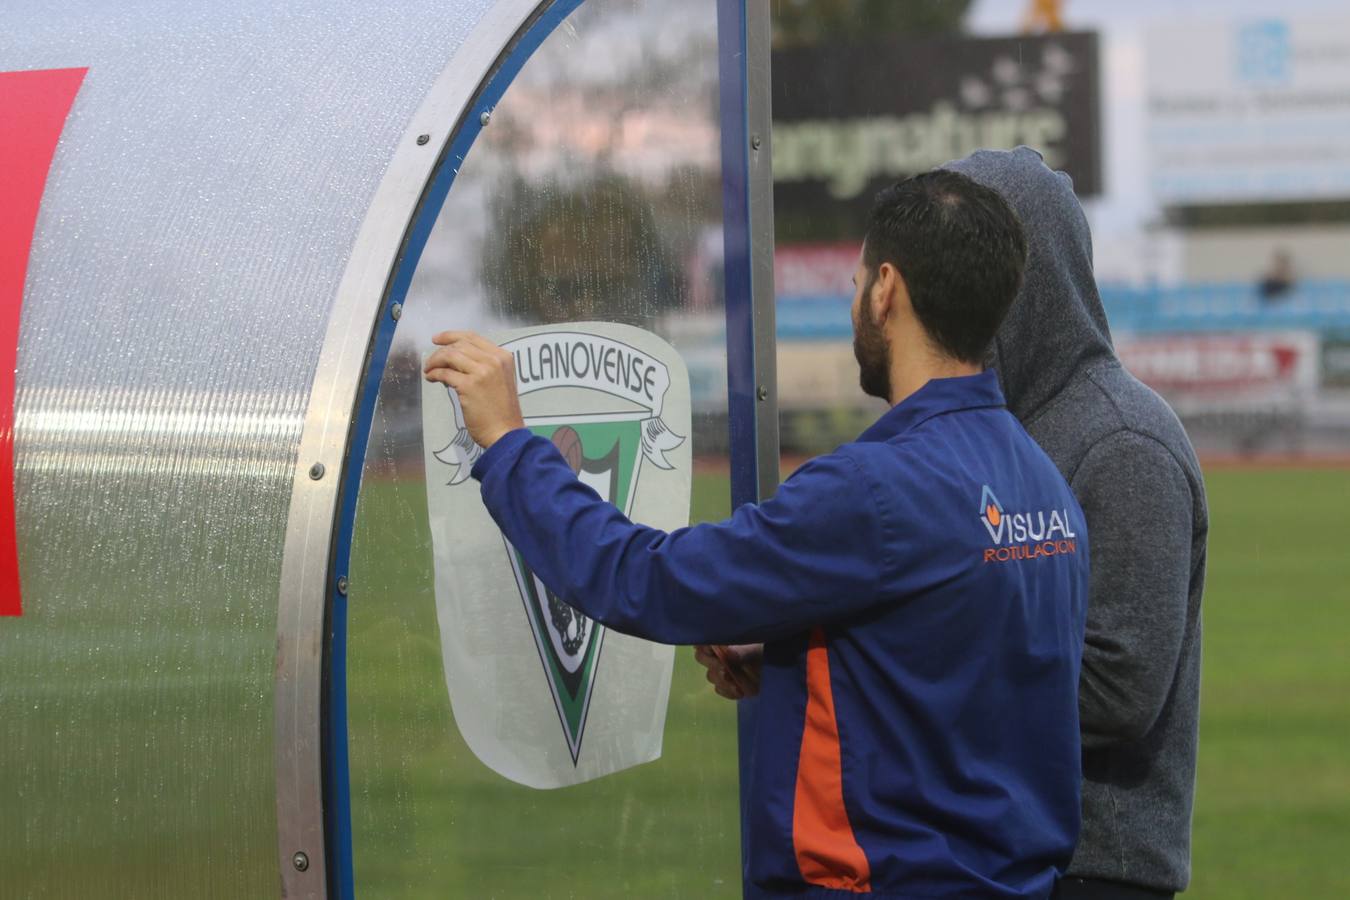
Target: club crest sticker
{"points": [[542, 694]]}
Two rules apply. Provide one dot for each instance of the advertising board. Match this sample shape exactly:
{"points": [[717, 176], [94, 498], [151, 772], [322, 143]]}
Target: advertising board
{"points": [[1249, 111], [850, 118], [1204, 373]]}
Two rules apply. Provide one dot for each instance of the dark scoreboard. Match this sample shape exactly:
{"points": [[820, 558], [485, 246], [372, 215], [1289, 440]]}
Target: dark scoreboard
{"points": [[851, 118]]}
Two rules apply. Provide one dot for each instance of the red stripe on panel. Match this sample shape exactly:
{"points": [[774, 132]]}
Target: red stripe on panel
{"points": [[33, 110], [827, 852]]}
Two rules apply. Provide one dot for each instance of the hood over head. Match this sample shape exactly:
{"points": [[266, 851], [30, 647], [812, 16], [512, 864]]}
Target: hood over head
{"points": [[1057, 325]]}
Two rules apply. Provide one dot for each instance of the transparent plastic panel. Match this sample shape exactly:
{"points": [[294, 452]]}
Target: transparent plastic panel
{"points": [[201, 208], [593, 194]]}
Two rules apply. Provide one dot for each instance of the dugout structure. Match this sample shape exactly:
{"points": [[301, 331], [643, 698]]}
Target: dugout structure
{"points": [[219, 685]]}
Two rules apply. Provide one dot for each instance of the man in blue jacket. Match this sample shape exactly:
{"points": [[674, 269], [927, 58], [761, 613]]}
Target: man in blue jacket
{"points": [[920, 592]]}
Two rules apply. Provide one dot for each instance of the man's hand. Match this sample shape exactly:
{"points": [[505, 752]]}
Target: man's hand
{"points": [[734, 670], [484, 377]]}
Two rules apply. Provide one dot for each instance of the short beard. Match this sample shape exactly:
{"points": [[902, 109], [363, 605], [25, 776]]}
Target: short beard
{"points": [[872, 350]]}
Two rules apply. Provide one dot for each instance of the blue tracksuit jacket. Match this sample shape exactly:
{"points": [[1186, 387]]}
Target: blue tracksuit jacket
{"points": [[921, 593]]}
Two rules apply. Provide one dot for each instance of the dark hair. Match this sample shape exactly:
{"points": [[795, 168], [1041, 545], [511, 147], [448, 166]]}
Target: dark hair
{"points": [[960, 250]]}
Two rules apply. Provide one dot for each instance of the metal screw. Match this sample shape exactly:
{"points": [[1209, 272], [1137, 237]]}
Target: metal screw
{"points": [[316, 471], [300, 861], [342, 585], [422, 139], [485, 118], [755, 141], [762, 393], [396, 311]]}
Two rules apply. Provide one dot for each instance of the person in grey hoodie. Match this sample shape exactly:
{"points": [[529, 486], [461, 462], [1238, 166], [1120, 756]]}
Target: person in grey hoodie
{"points": [[1135, 474]]}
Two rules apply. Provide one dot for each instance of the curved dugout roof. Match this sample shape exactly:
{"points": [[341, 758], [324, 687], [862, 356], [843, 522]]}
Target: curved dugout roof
{"points": [[232, 183], [228, 201]]}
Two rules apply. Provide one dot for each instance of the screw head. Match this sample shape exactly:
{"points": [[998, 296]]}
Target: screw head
{"points": [[422, 139], [755, 142], [342, 585], [396, 311], [762, 393], [300, 861], [316, 471], [485, 118]]}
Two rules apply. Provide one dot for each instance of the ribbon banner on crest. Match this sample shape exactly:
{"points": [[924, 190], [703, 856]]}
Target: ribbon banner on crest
{"points": [[576, 360]]}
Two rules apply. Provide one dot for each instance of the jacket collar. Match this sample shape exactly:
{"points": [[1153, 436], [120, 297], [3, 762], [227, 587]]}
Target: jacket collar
{"points": [[939, 395]]}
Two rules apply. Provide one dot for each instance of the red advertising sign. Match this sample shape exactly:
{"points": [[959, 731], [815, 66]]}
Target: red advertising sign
{"points": [[33, 110], [1223, 364], [815, 270]]}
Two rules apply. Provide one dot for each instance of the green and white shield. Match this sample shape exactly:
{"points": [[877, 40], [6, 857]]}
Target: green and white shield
{"points": [[569, 643], [542, 694]]}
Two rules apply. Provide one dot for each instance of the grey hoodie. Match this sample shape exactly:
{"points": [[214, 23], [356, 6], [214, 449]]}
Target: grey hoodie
{"points": [[1132, 467]]}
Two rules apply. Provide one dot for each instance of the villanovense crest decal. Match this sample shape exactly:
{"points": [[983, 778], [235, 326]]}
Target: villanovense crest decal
{"points": [[615, 402]]}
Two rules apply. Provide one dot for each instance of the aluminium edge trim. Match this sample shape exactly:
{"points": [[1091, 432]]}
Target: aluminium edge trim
{"points": [[327, 432]]}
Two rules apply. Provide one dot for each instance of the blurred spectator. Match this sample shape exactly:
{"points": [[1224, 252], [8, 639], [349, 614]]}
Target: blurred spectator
{"points": [[1279, 279]]}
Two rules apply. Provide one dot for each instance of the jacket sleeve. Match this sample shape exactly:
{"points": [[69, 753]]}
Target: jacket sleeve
{"points": [[810, 554], [1138, 507]]}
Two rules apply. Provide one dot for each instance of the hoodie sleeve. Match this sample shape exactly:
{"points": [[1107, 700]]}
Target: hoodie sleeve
{"points": [[810, 554], [1137, 502]]}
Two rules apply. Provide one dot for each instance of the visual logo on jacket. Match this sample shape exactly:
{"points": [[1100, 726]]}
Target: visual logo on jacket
{"points": [[1024, 535]]}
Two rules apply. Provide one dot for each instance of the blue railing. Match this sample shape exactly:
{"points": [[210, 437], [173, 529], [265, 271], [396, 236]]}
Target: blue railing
{"points": [[1310, 305]]}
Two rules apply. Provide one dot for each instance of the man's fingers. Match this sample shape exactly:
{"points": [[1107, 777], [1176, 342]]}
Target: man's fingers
{"points": [[448, 377], [728, 692], [475, 339], [718, 676], [486, 387], [441, 359], [478, 352], [737, 679], [477, 345], [449, 337], [725, 673], [471, 338], [454, 358], [744, 663], [704, 656], [724, 683]]}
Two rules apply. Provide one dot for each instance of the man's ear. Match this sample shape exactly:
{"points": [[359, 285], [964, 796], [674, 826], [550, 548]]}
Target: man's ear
{"points": [[885, 290]]}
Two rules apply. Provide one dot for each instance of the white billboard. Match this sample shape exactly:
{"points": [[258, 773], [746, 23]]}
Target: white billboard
{"points": [[1249, 110]]}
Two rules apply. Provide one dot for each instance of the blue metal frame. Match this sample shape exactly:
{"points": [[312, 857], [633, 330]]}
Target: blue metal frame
{"points": [[337, 775], [733, 83]]}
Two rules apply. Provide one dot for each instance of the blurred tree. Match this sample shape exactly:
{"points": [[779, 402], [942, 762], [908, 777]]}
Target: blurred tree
{"points": [[798, 22], [574, 252]]}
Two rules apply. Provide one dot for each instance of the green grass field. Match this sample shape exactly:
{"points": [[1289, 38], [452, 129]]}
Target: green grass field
{"points": [[1273, 807], [1272, 814]]}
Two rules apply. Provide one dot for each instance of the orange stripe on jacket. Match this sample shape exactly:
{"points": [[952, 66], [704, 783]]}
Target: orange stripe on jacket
{"points": [[827, 853]]}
